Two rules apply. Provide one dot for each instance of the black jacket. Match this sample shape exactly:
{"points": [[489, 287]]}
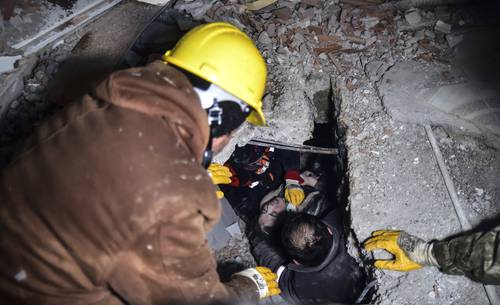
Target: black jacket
{"points": [[338, 279]]}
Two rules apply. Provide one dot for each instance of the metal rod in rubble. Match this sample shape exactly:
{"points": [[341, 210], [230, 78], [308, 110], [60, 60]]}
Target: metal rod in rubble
{"points": [[464, 222], [294, 147]]}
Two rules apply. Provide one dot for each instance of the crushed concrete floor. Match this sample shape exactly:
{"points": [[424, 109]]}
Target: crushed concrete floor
{"points": [[389, 72]]}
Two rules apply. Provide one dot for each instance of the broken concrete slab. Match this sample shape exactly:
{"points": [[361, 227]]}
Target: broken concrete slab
{"points": [[49, 23], [13, 84], [155, 2], [413, 17], [454, 39], [442, 27], [7, 63], [413, 92]]}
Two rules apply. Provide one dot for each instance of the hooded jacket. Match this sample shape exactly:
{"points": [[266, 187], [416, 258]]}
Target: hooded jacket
{"points": [[108, 203], [338, 279]]}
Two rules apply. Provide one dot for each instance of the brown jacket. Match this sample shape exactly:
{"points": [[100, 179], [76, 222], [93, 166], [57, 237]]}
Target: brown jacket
{"points": [[108, 203]]}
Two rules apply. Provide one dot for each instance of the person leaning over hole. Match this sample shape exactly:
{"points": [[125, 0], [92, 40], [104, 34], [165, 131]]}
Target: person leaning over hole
{"points": [[109, 202], [309, 255]]}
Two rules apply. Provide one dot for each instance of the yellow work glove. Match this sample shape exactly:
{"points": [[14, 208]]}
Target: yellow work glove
{"points": [[294, 194], [264, 279], [410, 252], [220, 174]]}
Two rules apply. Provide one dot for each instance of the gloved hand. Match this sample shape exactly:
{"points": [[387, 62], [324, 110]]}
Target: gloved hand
{"points": [[294, 193], [264, 279], [220, 174], [410, 252]]}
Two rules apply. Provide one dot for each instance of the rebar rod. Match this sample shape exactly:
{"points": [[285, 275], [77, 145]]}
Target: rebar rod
{"points": [[294, 147], [462, 218]]}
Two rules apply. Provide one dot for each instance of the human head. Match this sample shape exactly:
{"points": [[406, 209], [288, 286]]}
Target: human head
{"points": [[227, 72], [269, 212], [306, 239]]}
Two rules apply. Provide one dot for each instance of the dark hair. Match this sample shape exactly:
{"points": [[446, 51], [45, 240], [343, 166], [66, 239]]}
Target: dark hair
{"points": [[306, 239]]}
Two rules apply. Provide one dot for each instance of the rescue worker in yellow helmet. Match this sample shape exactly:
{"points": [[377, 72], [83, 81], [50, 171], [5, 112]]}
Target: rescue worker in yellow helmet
{"points": [[108, 204]]}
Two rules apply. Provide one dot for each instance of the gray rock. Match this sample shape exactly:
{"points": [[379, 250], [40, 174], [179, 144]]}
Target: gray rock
{"points": [[413, 17], [454, 40], [416, 38], [443, 27], [370, 22], [264, 38], [7, 63], [271, 30]]}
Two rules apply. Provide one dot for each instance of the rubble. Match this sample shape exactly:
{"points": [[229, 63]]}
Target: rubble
{"points": [[413, 17], [384, 65], [454, 39], [443, 27], [155, 2], [7, 63]]}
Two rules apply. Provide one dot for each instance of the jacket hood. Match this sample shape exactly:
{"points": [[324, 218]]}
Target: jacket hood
{"points": [[160, 90]]}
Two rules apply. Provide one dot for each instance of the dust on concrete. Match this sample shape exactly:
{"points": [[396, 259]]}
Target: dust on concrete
{"points": [[65, 4], [394, 179], [92, 52]]}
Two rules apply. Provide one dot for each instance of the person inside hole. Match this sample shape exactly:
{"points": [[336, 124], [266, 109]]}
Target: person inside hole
{"points": [[306, 246], [309, 255], [257, 170], [275, 203]]}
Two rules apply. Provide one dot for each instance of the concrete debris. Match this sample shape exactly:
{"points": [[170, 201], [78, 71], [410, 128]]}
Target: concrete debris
{"points": [[413, 17], [284, 13], [155, 2], [390, 73], [260, 4], [7, 63], [454, 40], [443, 27], [315, 3], [264, 38]]}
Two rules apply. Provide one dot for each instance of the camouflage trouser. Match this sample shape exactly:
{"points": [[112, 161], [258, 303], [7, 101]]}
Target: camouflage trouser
{"points": [[475, 255]]}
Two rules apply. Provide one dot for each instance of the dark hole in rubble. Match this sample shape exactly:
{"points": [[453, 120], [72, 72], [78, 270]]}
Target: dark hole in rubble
{"points": [[314, 160]]}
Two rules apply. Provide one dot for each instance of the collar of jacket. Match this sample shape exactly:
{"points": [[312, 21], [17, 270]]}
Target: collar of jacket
{"points": [[160, 90], [334, 250]]}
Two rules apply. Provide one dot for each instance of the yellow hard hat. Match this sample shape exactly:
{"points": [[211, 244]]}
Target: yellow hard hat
{"points": [[225, 56]]}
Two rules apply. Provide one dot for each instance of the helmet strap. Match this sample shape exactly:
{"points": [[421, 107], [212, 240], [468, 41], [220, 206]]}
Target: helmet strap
{"points": [[208, 154]]}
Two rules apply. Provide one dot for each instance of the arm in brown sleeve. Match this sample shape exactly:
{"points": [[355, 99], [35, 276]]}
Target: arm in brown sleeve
{"points": [[172, 264], [475, 255]]}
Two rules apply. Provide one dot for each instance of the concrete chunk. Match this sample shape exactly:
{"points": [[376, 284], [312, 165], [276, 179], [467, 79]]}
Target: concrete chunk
{"points": [[413, 18], [454, 40], [7, 63], [443, 27]]}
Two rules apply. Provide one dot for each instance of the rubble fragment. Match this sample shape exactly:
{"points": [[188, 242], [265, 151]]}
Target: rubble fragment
{"points": [[155, 2], [284, 13], [442, 27], [413, 18], [7, 63], [454, 40], [260, 4]]}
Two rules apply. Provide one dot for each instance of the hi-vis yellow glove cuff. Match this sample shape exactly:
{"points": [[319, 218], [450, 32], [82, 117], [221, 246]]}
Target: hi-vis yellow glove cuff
{"points": [[294, 194], [388, 241], [264, 279], [219, 173]]}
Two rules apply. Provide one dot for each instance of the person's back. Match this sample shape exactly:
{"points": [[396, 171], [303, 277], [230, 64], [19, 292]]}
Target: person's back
{"points": [[322, 271], [90, 204]]}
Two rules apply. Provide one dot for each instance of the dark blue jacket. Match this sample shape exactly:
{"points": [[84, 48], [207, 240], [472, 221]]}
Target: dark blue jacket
{"points": [[338, 279]]}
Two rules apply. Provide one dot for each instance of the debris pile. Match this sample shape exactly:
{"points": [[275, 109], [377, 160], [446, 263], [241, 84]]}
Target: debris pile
{"points": [[346, 48], [30, 103]]}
